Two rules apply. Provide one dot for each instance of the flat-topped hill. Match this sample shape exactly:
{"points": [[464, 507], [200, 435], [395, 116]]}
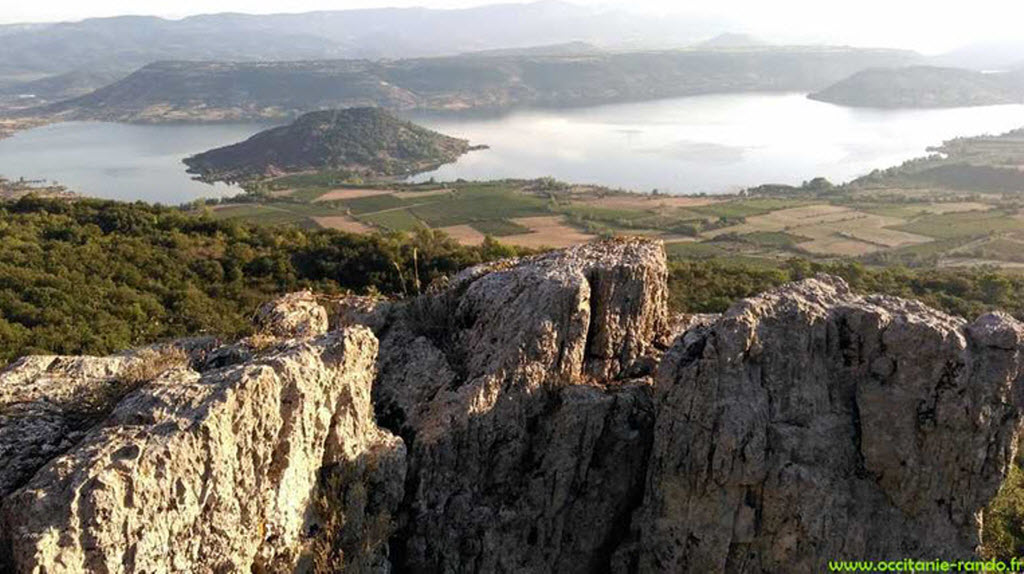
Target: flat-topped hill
{"points": [[363, 140], [924, 87]]}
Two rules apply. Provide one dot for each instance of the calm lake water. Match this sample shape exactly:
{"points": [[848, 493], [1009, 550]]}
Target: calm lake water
{"points": [[708, 143], [120, 161], [699, 144]]}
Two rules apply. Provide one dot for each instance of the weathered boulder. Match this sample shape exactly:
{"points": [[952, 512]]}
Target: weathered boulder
{"points": [[810, 424], [512, 384], [293, 315], [232, 469], [46, 406]]}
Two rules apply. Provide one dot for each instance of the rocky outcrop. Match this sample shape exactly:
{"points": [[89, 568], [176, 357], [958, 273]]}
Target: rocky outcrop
{"points": [[518, 390], [268, 465], [552, 417], [293, 315], [46, 406], [810, 424]]}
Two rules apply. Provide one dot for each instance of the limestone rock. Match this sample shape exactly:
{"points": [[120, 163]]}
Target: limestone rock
{"points": [[46, 406], [810, 424], [528, 444], [368, 311], [293, 315], [221, 471]]}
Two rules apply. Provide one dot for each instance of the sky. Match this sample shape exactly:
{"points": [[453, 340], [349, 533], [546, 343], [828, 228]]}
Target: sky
{"points": [[930, 26]]}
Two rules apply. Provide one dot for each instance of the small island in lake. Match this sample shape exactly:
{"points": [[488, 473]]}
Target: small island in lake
{"points": [[366, 141]]}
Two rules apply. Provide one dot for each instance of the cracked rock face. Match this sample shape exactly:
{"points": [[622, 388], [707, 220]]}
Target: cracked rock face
{"points": [[226, 470], [810, 424], [38, 415], [552, 419], [527, 445], [294, 315]]}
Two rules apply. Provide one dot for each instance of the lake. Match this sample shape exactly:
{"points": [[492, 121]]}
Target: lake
{"points": [[708, 143], [120, 161], [711, 144]]}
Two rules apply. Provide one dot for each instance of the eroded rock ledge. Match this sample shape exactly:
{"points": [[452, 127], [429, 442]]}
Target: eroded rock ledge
{"points": [[540, 415]]}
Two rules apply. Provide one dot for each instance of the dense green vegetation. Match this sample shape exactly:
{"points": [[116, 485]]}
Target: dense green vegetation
{"points": [[1003, 534], [710, 286], [96, 277]]}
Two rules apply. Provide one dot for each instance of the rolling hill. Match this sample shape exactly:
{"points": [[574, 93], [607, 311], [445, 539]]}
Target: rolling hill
{"points": [[361, 140], [924, 87]]}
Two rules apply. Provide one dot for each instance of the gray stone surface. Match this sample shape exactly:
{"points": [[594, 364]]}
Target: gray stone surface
{"points": [[293, 315], [234, 469], [811, 424], [527, 439]]}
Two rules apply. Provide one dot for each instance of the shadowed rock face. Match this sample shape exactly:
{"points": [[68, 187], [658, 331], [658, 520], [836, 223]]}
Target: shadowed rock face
{"points": [[811, 424], [520, 391], [550, 421]]}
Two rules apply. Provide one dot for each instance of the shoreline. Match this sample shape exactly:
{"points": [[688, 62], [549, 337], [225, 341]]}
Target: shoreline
{"points": [[11, 126]]}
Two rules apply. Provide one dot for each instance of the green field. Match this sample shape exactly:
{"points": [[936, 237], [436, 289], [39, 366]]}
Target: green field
{"points": [[860, 221], [308, 193], [694, 250], [479, 204], [776, 239], [395, 220], [745, 207], [499, 227], [963, 224], [373, 203]]}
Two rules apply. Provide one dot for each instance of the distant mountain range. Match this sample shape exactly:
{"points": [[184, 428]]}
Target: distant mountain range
{"points": [[130, 42], [219, 91], [924, 87], [985, 56], [56, 88], [731, 40]]}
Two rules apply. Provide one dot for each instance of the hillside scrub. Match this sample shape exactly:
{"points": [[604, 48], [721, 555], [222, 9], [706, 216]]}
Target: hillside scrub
{"points": [[95, 277]]}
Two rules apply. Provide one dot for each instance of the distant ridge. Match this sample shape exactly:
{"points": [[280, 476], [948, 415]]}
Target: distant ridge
{"points": [[731, 40], [175, 91], [135, 41], [563, 49], [924, 87]]}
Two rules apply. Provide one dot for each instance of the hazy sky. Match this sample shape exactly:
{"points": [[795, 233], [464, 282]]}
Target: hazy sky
{"points": [[926, 25]]}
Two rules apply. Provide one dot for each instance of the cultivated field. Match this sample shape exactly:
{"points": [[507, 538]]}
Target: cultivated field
{"points": [[547, 231], [878, 224], [831, 229]]}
